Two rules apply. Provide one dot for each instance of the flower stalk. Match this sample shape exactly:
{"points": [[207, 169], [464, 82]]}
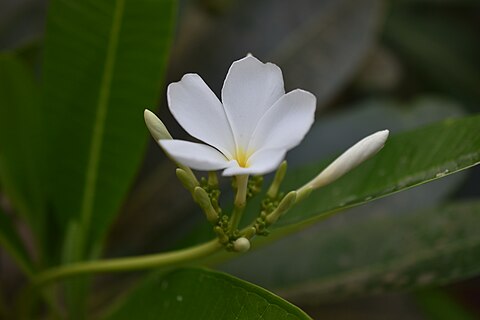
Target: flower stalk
{"points": [[239, 203], [179, 257]]}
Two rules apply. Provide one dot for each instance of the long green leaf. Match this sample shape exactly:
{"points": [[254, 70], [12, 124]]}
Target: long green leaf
{"points": [[21, 143], [104, 63], [203, 294], [355, 256]]}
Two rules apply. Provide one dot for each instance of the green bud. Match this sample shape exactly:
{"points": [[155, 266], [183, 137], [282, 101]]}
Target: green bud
{"points": [[287, 202], [277, 180], [203, 200], [250, 232], [187, 180], [155, 126], [222, 237]]}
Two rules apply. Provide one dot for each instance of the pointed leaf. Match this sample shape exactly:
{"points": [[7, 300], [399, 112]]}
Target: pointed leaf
{"points": [[357, 256], [203, 294], [21, 142], [104, 63]]}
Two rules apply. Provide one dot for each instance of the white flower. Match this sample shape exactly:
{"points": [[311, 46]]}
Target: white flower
{"points": [[250, 131]]}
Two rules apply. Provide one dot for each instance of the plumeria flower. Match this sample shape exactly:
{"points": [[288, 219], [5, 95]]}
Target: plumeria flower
{"points": [[249, 131]]}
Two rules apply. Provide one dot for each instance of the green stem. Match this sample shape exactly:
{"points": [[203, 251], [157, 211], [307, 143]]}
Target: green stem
{"points": [[239, 203], [126, 264]]}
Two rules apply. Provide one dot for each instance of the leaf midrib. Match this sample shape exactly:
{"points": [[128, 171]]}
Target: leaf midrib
{"points": [[100, 119]]}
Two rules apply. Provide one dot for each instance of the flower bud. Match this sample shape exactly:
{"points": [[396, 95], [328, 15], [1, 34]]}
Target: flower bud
{"points": [[277, 180], [155, 126], [351, 158], [203, 200], [187, 179], [241, 245], [287, 202]]}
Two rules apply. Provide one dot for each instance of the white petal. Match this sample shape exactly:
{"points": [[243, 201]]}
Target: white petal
{"points": [[250, 89], [351, 158], [286, 123], [200, 113], [194, 155], [261, 162]]}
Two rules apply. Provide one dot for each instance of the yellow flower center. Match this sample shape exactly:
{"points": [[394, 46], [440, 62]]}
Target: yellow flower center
{"points": [[242, 158]]}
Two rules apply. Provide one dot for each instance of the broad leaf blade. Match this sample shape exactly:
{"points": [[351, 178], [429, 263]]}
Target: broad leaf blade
{"points": [[203, 294], [355, 256], [408, 159], [104, 63], [21, 142]]}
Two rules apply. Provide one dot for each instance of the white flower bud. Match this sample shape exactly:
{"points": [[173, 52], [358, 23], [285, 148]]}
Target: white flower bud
{"points": [[241, 245], [351, 158], [155, 126]]}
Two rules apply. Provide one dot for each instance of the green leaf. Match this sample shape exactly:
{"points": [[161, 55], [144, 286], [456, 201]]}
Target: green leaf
{"points": [[12, 243], [203, 294], [408, 159], [356, 256], [104, 64], [21, 142]]}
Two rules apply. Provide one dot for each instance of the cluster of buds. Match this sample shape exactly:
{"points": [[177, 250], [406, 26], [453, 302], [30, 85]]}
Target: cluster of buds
{"points": [[206, 191]]}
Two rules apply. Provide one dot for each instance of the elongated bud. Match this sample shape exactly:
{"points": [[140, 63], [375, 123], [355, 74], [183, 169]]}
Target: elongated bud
{"points": [[188, 181], [277, 180], [287, 202], [159, 132], [222, 237], [203, 200], [351, 158], [155, 126], [241, 245]]}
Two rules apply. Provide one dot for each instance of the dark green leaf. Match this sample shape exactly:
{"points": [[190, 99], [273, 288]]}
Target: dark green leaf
{"points": [[104, 63], [21, 142], [203, 294], [357, 256]]}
